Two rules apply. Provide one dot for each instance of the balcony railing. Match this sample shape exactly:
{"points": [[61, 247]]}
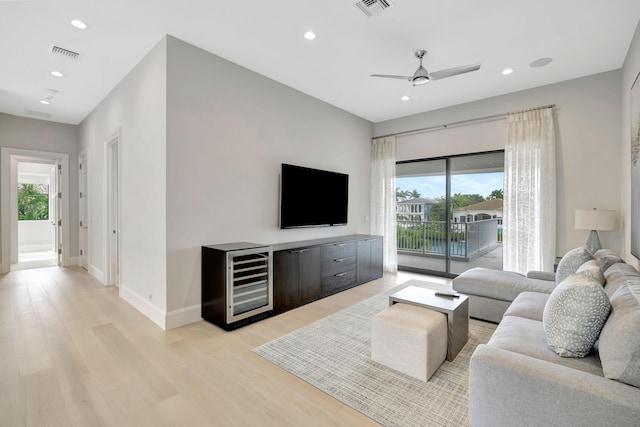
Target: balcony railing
{"points": [[466, 238]]}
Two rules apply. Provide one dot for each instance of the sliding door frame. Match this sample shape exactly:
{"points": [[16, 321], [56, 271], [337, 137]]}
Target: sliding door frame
{"points": [[448, 222]]}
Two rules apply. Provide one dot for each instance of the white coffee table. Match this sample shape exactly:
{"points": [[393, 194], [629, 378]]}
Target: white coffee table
{"points": [[455, 308]]}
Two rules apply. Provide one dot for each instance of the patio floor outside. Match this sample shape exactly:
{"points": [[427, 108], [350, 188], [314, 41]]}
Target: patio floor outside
{"points": [[491, 259]]}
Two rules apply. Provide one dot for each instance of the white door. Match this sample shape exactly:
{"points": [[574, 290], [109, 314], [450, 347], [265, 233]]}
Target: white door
{"points": [[57, 201], [53, 209], [113, 268], [84, 210]]}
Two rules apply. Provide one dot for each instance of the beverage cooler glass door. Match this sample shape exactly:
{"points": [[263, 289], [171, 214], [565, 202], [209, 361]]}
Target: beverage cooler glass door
{"points": [[249, 283]]}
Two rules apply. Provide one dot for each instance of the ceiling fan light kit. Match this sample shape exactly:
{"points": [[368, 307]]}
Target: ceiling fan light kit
{"points": [[422, 76]]}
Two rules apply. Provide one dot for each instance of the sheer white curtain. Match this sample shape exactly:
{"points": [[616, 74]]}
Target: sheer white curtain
{"points": [[529, 223], [383, 198]]}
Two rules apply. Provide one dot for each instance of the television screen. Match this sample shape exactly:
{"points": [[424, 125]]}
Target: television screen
{"points": [[312, 197]]}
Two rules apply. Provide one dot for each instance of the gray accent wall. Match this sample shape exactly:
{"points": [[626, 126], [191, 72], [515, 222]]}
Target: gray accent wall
{"points": [[228, 131]]}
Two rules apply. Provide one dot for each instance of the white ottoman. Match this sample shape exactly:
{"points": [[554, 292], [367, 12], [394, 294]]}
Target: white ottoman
{"points": [[409, 339]]}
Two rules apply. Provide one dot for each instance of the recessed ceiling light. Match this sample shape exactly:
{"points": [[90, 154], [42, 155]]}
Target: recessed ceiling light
{"points": [[540, 62], [45, 102], [507, 71], [309, 35], [57, 74], [405, 98], [79, 24]]}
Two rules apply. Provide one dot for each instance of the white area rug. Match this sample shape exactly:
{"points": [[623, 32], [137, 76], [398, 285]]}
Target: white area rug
{"points": [[334, 355]]}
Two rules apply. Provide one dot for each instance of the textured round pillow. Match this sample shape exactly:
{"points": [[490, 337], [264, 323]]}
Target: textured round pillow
{"points": [[574, 315], [571, 261]]}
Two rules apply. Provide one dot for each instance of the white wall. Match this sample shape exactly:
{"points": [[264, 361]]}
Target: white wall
{"points": [[35, 236], [40, 135], [228, 131], [629, 73], [588, 144], [136, 109]]}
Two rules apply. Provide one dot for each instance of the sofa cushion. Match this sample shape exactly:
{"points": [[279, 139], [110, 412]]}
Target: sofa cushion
{"points": [[619, 342], [529, 305], [571, 261], [618, 275], [592, 268], [574, 315], [605, 258], [497, 284], [527, 337]]}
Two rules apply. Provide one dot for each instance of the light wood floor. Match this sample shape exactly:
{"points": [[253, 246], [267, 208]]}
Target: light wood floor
{"points": [[73, 353]]}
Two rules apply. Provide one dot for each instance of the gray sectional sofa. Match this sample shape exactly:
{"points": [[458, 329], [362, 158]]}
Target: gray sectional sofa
{"points": [[518, 378]]}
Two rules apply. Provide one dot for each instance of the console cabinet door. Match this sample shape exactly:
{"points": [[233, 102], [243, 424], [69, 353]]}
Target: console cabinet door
{"points": [[369, 264], [310, 284], [376, 257], [296, 276], [286, 275]]}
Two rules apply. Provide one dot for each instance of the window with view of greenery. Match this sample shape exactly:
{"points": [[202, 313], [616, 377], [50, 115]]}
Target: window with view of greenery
{"points": [[33, 202]]}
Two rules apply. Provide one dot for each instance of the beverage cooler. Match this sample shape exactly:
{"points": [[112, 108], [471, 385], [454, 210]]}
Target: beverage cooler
{"points": [[237, 284]]}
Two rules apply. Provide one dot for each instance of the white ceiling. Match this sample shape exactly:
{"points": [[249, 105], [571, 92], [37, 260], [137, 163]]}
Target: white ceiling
{"points": [[582, 36]]}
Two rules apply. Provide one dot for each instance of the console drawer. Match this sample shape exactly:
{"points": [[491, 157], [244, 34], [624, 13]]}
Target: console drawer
{"points": [[338, 265], [338, 280], [339, 250]]}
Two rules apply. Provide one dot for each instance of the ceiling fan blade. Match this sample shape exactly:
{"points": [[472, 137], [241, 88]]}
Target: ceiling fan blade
{"points": [[387, 76], [450, 72]]}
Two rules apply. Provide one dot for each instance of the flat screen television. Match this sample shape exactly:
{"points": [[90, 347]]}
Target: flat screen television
{"points": [[312, 197]]}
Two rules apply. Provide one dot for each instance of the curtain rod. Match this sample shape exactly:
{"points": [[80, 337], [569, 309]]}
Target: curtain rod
{"points": [[465, 122]]}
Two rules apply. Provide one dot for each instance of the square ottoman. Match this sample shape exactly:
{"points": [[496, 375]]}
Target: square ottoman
{"points": [[409, 339]]}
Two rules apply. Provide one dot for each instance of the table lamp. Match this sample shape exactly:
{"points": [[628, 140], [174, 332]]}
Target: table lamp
{"points": [[594, 220]]}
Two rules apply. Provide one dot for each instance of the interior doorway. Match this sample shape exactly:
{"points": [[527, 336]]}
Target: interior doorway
{"points": [[37, 234], [42, 169], [112, 212]]}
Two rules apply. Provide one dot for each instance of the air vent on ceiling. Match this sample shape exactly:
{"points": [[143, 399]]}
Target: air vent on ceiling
{"points": [[38, 114], [373, 7], [60, 51]]}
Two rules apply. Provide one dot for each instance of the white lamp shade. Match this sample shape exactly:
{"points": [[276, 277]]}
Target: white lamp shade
{"points": [[592, 219]]}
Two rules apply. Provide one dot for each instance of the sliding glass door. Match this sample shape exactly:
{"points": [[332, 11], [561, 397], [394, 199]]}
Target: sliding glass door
{"points": [[449, 213]]}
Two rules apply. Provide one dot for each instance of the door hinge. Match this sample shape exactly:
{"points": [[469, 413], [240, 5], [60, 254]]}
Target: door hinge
{"points": [[59, 251], [59, 195], [80, 165], [80, 251], [80, 223], [59, 222], [60, 167], [81, 195]]}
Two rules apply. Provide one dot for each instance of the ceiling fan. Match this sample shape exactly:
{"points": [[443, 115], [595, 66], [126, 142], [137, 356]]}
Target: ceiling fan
{"points": [[422, 76]]}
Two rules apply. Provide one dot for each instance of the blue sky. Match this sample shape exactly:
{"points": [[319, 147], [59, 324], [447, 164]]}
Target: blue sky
{"points": [[434, 186]]}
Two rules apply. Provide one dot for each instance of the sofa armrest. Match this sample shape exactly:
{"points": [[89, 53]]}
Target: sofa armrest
{"points": [[542, 275], [507, 388]]}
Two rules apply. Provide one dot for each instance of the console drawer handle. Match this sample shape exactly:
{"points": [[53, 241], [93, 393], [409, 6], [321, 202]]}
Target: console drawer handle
{"points": [[340, 274], [340, 244], [339, 259], [298, 251]]}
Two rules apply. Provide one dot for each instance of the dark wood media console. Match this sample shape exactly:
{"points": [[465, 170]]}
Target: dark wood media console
{"points": [[303, 272]]}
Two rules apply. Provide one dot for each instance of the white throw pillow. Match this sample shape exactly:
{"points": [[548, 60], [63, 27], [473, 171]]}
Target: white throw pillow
{"points": [[571, 261], [574, 315], [592, 268]]}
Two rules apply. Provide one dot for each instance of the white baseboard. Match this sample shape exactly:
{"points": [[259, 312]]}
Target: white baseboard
{"points": [[74, 260], [97, 273], [35, 248], [183, 316], [143, 305]]}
